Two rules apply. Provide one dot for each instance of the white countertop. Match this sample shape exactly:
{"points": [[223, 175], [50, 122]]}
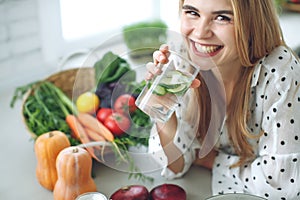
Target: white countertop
{"points": [[18, 162]]}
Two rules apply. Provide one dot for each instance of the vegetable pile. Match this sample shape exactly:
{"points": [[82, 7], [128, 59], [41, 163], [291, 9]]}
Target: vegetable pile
{"points": [[47, 107], [106, 114], [117, 90]]}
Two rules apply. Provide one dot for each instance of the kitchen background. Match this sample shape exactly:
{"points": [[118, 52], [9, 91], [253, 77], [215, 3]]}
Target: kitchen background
{"points": [[20, 42], [22, 38], [26, 32], [26, 37]]}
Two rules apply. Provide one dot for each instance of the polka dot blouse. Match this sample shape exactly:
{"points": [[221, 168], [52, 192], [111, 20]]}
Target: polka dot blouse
{"points": [[275, 110]]}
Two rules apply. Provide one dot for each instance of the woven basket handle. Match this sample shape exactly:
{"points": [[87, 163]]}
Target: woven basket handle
{"points": [[63, 63]]}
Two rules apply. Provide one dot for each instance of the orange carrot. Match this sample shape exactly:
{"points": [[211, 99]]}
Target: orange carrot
{"points": [[92, 123], [94, 135], [80, 132], [75, 126]]}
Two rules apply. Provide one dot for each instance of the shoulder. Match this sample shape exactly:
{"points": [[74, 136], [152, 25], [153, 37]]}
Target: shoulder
{"points": [[281, 59], [281, 67]]}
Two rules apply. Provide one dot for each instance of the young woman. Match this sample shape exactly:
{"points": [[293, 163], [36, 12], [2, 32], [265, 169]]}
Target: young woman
{"points": [[250, 136]]}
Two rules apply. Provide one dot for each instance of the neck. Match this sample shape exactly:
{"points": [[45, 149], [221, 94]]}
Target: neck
{"points": [[229, 76]]}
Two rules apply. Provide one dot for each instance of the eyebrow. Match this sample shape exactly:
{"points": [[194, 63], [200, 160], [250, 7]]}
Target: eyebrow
{"points": [[189, 7]]}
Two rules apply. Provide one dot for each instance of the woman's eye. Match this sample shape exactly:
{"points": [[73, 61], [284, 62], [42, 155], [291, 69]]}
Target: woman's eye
{"points": [[191, 13], [223, 19]]}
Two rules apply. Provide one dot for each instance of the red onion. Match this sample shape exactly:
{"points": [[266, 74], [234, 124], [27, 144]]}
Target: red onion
{"points": [[131, 192], [167, 192]]}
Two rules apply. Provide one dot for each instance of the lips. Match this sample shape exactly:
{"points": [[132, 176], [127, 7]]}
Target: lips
{"points": [[207, 49]]}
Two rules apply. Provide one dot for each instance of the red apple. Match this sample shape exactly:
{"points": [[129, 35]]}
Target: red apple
{"points": [[168, 192], [131, 192]]}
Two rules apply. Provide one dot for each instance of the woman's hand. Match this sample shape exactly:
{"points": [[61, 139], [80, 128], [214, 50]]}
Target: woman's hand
{"points": [[161, 57]]}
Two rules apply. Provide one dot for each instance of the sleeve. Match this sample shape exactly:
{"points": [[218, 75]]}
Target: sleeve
{"points": [[184, 139], [275, 173]]}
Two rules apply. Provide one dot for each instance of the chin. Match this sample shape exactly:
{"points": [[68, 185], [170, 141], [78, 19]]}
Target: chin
{"points": [[205, 64]]}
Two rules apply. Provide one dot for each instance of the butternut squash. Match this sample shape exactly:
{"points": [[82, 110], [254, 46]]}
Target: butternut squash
{"points": [[74, 166], [47, 146]]}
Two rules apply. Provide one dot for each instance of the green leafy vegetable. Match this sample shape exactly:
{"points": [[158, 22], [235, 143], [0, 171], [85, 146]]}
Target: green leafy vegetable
{"points": [[110, 68], [46, 108]]}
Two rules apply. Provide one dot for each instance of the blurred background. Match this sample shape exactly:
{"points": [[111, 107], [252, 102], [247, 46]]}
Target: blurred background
{"points": [[36, 36], [41, 37]]}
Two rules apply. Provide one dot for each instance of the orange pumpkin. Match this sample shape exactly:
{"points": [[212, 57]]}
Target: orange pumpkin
{"points": [[47, 146], [74, 166]]}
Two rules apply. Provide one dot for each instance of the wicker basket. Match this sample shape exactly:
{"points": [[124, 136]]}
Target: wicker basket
{"points": [[72, 82]]}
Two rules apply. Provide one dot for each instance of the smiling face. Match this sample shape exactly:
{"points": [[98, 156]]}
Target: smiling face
{"points": [[210, 35]]}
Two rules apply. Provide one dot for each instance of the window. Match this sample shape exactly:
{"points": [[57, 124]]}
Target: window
{"points": [[70, 25], [88, 17]]}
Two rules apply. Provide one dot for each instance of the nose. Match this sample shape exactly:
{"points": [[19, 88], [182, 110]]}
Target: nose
{"points": [[203, 28]]}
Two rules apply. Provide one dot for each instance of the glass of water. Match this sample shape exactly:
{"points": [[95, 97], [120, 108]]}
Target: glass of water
{"points": [[160, 97]]}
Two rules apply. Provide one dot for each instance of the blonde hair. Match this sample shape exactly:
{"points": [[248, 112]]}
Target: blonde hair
{"points": [[257, 32]]}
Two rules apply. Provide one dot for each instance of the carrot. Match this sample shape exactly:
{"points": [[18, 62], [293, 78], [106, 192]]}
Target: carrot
{"points": [[75, 126], [80, 132], [92, 123], [94, 135]]}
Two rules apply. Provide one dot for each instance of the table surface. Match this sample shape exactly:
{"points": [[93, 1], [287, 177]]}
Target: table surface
{"points": [[18, 163]]}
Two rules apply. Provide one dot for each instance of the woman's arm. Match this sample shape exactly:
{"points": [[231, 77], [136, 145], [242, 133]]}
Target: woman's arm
{"points": [[166, 132], [173, 144], [173, 135]]}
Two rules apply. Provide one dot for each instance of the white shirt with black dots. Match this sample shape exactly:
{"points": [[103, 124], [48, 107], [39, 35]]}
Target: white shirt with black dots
{"points": [[275, 110]]}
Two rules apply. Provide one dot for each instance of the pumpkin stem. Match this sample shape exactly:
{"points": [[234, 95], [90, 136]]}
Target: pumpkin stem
{"points": [[75, 150], [51, 134]]}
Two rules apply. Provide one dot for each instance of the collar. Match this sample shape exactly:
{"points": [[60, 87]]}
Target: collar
{"points": [[256, 73]]}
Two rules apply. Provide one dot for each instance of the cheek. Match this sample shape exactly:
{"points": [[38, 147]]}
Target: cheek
{"points": [[185, 27], [228, 36]]}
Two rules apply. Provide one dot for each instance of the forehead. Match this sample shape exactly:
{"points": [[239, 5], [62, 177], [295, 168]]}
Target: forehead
{"points": [[209, 5]]}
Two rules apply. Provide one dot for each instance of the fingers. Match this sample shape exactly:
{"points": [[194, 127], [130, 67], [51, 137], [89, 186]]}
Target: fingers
{"points": [[148, 76], [164, 48], [152, 70], [196, 83], [161, 56]]}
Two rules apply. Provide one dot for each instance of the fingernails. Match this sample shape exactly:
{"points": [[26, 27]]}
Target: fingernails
{"points": [[157, 71], [149, 76], [162, 58]]}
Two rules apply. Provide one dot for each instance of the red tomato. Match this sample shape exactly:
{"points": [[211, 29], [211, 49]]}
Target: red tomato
{"points": [[117, 123], [125, 104], [103, 113]]}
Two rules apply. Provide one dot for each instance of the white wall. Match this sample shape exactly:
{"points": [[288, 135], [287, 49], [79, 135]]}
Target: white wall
{"points": [[20, 45], [290, 24]]}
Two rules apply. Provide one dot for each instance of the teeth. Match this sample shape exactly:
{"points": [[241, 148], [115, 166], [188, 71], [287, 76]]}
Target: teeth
{"points": [[206, 49]]}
